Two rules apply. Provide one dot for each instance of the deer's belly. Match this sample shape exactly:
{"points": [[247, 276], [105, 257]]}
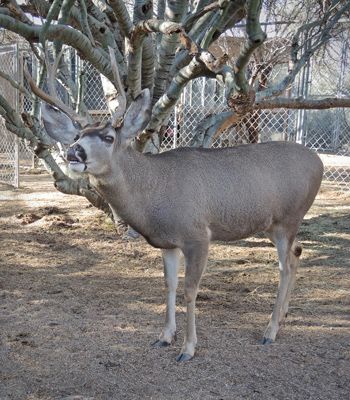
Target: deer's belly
{"points": [[238, 229]]}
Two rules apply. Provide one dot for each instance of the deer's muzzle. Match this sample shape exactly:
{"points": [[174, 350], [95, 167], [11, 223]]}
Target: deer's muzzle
{"points": [[76, 156], [76, 153]]}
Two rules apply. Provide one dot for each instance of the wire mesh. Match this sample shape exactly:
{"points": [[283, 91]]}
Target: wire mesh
{"points": [[8, 141], [204, 97], [328, 131], [94, 98]]}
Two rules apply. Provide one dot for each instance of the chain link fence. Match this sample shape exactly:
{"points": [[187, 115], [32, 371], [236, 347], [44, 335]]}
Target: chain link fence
{"points": [[9, 145], [325, 131], [203, 97], [328, 131], [14, 154]]}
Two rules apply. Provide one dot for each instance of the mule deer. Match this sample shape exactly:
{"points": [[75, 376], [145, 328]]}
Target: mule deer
{"points": [[182, 199]]}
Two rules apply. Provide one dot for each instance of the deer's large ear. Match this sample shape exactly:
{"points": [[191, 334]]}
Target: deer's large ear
{"points": [[137, 116], [58, 125]]}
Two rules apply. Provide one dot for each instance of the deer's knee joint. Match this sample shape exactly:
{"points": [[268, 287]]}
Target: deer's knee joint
{"points": [[190, 293]]}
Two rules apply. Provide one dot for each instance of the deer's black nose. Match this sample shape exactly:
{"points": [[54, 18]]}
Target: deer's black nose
{"points": [[76, 153]]}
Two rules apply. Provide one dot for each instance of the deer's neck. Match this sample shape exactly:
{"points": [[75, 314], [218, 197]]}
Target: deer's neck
{"points": [[128, 186]]}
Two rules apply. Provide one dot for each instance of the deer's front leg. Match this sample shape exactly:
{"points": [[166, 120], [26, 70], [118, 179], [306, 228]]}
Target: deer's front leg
{"points": [[196, 255], [171, 260]]}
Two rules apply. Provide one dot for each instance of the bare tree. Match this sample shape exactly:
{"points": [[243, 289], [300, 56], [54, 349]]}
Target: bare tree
{"points": [[163, 45]]}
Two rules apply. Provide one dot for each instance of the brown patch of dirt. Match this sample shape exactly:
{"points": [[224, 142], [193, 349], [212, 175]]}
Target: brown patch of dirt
{"points": [[80, 307], [52, 216]]}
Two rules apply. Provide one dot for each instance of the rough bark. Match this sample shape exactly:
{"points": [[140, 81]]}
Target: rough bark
{"points": [[174, 12], [300, 103]]}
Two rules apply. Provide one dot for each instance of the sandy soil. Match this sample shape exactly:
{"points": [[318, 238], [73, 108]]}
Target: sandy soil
{"points": [[79, 307]]}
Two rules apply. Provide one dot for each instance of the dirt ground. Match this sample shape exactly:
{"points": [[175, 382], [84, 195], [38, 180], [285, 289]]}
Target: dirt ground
{"points": [[80, 307]]}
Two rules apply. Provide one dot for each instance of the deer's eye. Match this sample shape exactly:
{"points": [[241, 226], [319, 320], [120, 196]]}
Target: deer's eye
{"points": [[108, 139], [76, 138]]}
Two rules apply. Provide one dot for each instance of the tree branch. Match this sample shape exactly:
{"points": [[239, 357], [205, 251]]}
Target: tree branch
{"points": [[300, 103], [97, 57], [136, 39], [256, 37], [120, 97], [84, 22], [191, 19], [16, 11], [104, 9], [212, 126], [15, 84], [81, 91], [51, 15], [63, 19], [143, 10], [218, 23], [174, 12], [41, 76], [164, 105], [122, 15]]}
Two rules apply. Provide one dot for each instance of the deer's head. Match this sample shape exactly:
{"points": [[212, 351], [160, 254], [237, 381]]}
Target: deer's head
{"points": [[91, 149]]}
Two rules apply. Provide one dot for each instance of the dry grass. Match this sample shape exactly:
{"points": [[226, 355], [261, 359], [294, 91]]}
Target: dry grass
{"points": [[80, 307]]}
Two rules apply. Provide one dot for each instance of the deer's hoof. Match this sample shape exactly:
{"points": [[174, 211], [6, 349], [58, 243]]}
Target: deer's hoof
{"points": [[266, 341], [183, 357], [160, 343]]}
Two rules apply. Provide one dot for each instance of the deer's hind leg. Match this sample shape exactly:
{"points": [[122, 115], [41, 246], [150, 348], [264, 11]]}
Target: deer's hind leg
{"points": [[288, 254], [295, 253]]}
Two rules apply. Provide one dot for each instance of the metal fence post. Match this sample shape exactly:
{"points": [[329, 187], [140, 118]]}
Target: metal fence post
{"points": [[16, 183], [175, 128]]}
